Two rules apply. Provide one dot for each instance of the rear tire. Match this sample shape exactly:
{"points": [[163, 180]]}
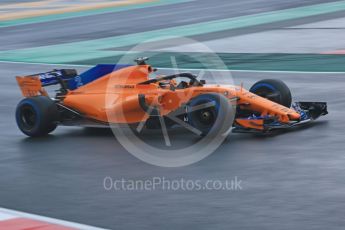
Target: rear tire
{"points": [[274, 90], [36, 116]]}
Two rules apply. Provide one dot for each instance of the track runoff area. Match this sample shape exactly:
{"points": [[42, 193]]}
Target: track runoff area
{"points": [[14, 220]]}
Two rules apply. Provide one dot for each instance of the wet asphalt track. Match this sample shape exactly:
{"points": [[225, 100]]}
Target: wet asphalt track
{"points": [[290, 181]]}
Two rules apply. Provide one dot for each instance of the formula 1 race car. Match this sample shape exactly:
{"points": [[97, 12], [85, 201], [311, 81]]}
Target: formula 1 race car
{"points": [[128, 94]]}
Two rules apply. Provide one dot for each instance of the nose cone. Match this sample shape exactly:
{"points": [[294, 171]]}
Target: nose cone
{"points": [[294, 116]]}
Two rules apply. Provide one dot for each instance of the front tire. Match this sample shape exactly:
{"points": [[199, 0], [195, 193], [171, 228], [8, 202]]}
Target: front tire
{"points": [[36, 116], [274, 90]]}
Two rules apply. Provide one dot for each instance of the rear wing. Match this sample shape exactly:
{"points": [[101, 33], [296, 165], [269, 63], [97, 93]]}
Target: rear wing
{"points": [[33, 85]]}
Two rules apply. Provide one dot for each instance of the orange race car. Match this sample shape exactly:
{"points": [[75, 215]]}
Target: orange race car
{"points": [[127, 94]]}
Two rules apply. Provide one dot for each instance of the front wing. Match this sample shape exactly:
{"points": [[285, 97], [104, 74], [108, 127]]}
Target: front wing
{"points": [[309, 111]]}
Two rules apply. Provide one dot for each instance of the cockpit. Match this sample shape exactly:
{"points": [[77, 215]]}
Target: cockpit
{"points": [[176, 81]]}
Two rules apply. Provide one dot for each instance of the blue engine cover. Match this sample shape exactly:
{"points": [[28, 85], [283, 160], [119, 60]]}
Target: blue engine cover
{"points": [[92, 74]]}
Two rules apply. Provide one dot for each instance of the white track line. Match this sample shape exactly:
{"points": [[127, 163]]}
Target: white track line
{"points": [[10, 214], [256, 71], [6, 216], [186, 69]]}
